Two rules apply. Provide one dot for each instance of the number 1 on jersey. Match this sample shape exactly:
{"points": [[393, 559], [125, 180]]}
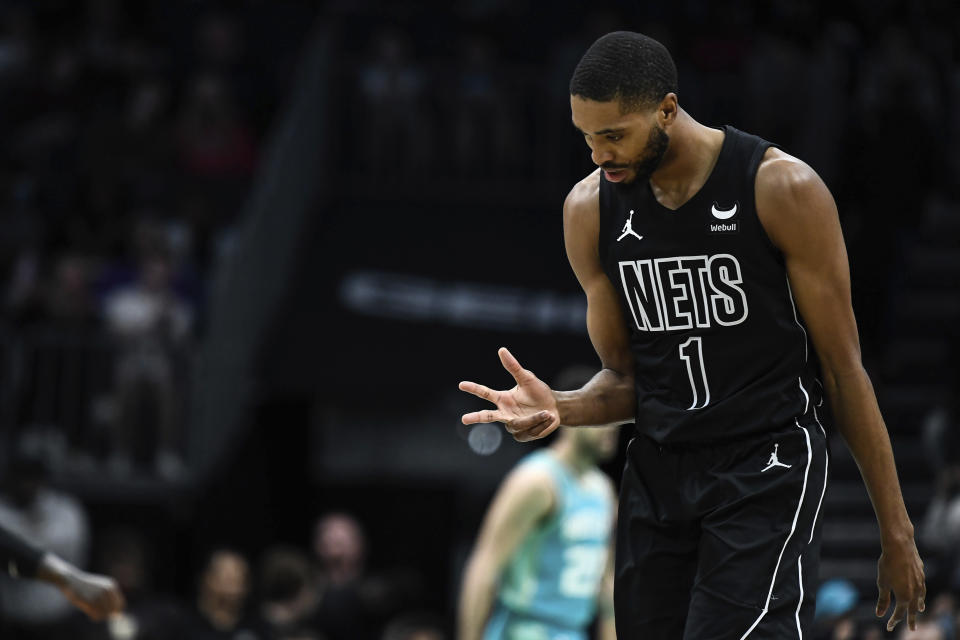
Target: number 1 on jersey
{"points": [[693, 358]]}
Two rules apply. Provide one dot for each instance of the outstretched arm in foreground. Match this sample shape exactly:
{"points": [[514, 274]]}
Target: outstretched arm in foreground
{"points": [[97, 596], [800, 217], [531, 409], [523, 501]]}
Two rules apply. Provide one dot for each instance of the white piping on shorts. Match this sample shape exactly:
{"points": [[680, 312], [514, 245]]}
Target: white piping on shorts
{"points": [[826, 472], [793, 528], [800, 602], [806, 397]]}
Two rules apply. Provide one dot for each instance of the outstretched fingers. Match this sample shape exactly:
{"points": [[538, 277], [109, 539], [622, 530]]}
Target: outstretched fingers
{"points": [[910, 609], [916, 605], [883, 600], [487, 415], [512, 365], [897, 616], [480, 391]]}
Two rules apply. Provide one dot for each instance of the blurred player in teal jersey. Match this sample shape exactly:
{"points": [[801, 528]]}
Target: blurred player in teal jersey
{"points": [[542, 567]]}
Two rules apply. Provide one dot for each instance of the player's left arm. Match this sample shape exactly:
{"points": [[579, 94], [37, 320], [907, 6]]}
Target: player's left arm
{"points": [[606, 623], [800, 217]]}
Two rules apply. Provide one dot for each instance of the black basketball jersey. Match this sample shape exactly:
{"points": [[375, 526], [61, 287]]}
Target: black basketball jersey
{"points": [[719, 348]]}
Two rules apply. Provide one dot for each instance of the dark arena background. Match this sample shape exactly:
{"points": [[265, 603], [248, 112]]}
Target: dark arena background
{"points": [[248, 250]]}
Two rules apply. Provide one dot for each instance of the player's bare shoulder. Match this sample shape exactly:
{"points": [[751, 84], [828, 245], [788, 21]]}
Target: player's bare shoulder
{"points": [[582, 206], [581, 219], [530, 487], [581, 228], [789, 193], [781, 175]]}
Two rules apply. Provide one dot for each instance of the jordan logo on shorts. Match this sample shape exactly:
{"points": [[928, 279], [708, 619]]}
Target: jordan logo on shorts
{"points": [[628, 229], [774, 461]]}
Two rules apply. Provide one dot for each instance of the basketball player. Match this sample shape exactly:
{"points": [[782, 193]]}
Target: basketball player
{"points": [[542, 561], [719, 322], [97, 596]]}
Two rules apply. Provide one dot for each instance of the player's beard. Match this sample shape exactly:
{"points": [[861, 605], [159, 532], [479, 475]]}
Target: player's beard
{"points": [[650, 158]]}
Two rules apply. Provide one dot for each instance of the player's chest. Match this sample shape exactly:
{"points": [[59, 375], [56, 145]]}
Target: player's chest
{"points": [[651, 232]]}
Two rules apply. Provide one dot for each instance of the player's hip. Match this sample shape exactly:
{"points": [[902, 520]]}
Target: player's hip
{"points": [[686, 483]]}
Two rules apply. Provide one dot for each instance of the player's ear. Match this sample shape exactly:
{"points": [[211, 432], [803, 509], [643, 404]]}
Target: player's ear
{"points": [[667, 110]]}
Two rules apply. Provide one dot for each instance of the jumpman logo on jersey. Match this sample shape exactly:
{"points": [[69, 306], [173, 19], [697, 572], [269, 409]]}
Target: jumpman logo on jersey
{"points": [[628, 229], [774, 461]]}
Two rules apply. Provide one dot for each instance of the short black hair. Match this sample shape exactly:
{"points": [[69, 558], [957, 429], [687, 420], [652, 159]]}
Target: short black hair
{"points": [[631, 67]]}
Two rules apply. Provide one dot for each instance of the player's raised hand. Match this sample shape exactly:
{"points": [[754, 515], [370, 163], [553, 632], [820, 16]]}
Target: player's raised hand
{"points": [[97, 596], [528, 411], [901, 570]]}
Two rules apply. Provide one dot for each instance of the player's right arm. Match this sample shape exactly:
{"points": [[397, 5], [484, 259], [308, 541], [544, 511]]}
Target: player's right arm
{"points": [[531, 409], [609, 397], [524, 499]]}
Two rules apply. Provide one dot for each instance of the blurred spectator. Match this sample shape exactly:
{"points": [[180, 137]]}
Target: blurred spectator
{"points": [[61, 298], [214, 140], [151, 323], [301, 634], [414, 626], [487, 136], [926, 630], [941, 432], [352, 603], [108, 44], [939, 531], [220, 612], [942, 612], [286, 591], [339, 548], [68, 300], [124, 555], [47, 518], [396, 136], [146, 149], [219, 40], [873, 632]]}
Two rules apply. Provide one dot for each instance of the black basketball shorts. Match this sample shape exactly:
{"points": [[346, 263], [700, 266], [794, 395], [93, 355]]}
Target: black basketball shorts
{"points": [[721, 542]]}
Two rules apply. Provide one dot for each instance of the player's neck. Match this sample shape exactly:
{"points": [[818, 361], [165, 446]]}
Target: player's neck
{"points": [[690, 158], [571, 457]]}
